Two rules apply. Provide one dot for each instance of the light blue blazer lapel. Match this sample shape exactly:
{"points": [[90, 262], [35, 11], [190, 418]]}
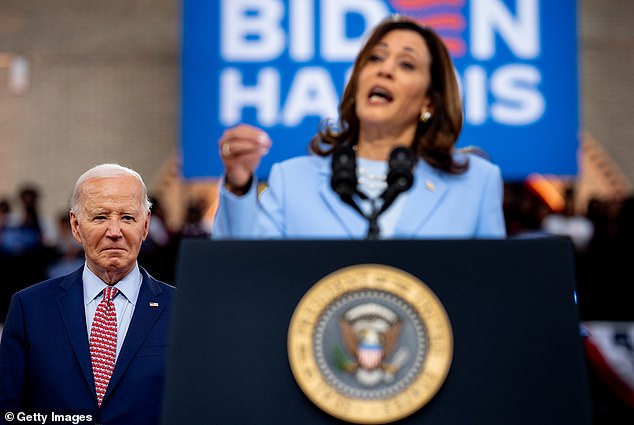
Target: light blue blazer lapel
{"points": [[426, 193], [71, 307], [354, 224], [143, 319]]}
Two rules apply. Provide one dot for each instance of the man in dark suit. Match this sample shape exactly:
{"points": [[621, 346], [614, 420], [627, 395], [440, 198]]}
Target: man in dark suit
{"points": [[92, 346]]}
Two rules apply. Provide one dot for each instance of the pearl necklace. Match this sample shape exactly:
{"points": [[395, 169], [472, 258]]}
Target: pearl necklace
{"points": [[371, 181]]}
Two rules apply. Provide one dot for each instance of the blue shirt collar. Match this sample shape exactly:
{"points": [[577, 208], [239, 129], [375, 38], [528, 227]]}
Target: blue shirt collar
{"points": [[129, 286]]}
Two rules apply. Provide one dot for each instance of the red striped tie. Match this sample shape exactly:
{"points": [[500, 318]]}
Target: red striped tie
{"points": [[103, 342]]}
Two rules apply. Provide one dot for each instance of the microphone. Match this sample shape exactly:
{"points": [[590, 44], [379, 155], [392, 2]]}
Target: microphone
{"points": [[344, 175], [400, 177], [344, 171]]}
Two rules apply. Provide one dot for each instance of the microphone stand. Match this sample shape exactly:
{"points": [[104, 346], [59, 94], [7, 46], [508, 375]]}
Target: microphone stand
{"points": [[344, 182], [373, 222]]}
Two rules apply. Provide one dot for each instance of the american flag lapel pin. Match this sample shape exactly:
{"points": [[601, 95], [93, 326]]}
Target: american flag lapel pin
{"points": [[153, 304]]}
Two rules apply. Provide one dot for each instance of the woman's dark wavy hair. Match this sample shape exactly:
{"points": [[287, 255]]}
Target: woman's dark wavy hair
{"points": [[435, 139]]}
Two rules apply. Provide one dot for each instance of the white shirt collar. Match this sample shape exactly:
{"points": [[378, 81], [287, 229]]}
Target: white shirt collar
{"points": [[129, 286]]}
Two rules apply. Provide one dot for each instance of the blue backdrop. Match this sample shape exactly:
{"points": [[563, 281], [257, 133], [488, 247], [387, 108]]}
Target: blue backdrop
{"points": [[282, 64]]}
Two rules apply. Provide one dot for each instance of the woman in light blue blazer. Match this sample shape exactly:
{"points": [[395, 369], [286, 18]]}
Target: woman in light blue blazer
{"points": [[402, 92]]}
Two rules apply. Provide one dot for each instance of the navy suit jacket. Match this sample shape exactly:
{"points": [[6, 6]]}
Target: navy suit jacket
{"points": [[45, 360]]}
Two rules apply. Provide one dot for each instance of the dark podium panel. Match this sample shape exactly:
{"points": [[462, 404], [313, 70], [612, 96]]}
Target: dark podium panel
{"points": [[517, 358]]}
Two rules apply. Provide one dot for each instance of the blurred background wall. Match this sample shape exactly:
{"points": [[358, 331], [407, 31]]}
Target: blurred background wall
{"points": [[607, 73], [606, 51], [101, 85]]}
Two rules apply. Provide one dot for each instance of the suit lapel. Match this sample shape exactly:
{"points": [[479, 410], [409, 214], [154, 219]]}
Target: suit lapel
{"points": [[428, 189], [350, 219], [142, 322], [71, 307]]}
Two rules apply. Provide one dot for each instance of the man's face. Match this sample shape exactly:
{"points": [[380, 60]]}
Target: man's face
{"points": [[111, 225]]}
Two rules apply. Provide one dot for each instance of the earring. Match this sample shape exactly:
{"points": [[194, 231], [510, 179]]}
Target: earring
{"points": [[425, 116]]}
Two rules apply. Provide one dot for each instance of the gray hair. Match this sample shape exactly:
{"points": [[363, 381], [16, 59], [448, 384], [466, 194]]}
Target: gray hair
{"points": [[105, 171]]}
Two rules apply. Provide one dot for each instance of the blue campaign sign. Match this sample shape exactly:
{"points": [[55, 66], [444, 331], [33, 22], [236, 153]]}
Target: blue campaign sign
{"points": [[282, 64]]}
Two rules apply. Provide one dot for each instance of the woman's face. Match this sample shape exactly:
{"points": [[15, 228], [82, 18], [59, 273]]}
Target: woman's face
{"points": [[393, 84]]}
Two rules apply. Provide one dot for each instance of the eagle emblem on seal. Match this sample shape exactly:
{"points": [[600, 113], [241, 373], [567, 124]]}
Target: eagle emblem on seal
{"points": [[370, 334]]}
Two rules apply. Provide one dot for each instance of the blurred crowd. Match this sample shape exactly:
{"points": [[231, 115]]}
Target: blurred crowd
{"points": [[602, 233]]}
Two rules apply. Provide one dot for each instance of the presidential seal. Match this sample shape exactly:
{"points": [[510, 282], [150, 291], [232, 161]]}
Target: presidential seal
{"points": [[370, 344]]}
